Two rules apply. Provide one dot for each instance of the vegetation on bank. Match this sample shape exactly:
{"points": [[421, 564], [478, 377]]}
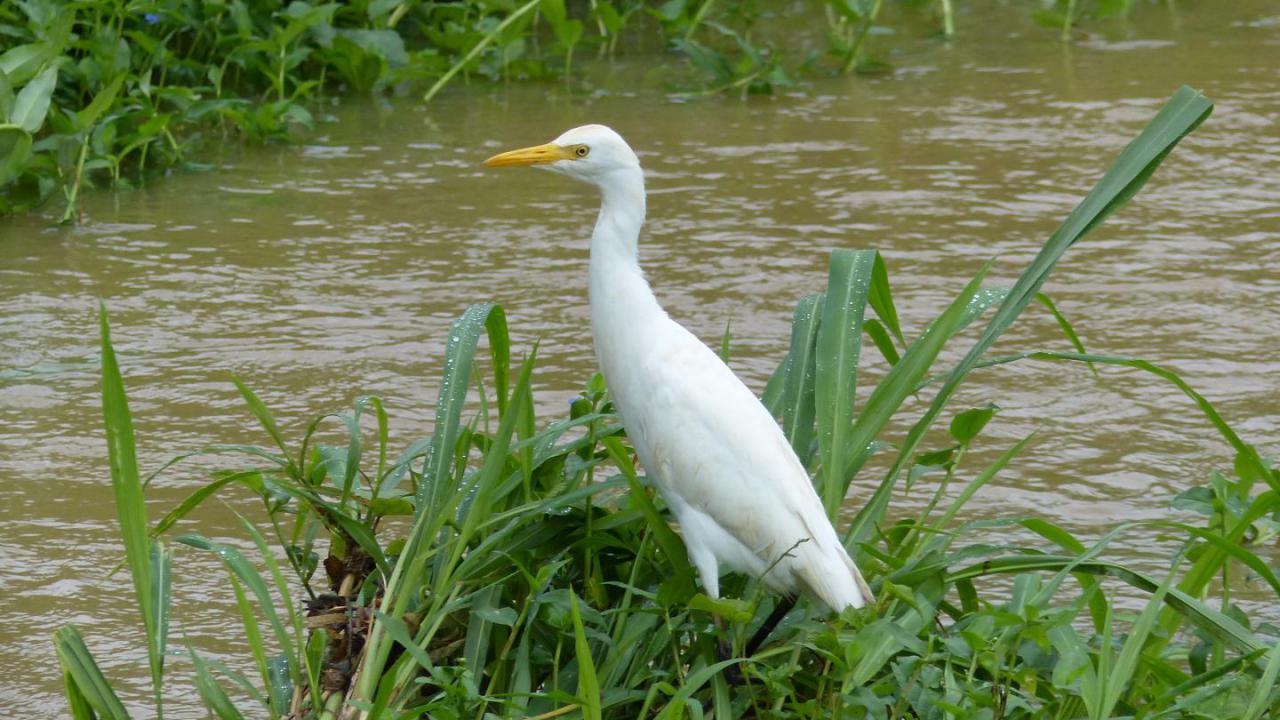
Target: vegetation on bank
{"points": [[502, 569], [98, 92]]}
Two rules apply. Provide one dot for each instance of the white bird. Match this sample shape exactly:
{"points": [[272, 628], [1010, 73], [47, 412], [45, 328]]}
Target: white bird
{"points": [[721, 462]]}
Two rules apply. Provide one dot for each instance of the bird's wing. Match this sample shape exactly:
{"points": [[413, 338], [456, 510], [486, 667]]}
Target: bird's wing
{"points": [[719, 449]]}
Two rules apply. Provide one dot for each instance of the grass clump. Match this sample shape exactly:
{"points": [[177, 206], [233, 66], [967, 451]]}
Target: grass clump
{"points": [[499, 569]]}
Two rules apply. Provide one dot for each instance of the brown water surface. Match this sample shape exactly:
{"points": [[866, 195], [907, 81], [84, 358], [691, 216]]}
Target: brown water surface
{"points": [[330, 270]]}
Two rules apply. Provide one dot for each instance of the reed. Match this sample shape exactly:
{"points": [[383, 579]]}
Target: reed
{"points": [[499, 569]]}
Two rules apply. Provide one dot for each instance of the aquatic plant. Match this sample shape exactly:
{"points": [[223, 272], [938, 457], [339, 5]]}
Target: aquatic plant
{"points": [[101, 92], [495, 569]]}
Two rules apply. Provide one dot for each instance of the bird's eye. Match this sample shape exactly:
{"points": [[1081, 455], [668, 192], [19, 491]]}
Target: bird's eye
{"points": [[581, 151]]}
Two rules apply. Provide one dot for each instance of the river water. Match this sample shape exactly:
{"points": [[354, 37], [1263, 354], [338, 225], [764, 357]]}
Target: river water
{"points": [[332, 269]]}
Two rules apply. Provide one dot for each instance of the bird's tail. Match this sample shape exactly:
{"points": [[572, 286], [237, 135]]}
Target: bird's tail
{"points": [[835, 580], [863, 588]]}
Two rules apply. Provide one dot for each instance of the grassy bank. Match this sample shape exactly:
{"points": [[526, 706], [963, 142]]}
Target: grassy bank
{"points": [[103, 92], [505, 567]]}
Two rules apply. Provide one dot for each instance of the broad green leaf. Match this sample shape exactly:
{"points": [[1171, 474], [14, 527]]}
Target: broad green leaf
{"points": [[20, 63], [32, 103], [734, 611]]}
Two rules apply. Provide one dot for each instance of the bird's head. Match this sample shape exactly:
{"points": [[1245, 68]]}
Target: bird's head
{"points": [[589, 153]]}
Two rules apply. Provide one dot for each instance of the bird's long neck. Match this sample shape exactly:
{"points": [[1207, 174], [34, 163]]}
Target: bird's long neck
{"points": [[623, 307], [615, 240]]}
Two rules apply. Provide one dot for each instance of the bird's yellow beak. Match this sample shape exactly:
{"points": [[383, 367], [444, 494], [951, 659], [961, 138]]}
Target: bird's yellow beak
{"points": [[536, 155]]}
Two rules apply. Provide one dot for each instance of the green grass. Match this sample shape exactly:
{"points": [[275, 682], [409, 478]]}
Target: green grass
{"points": [[499, 568]]}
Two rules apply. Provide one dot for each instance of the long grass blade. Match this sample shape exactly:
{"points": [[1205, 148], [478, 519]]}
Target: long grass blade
{"points": [[1261, 701], [1204, 617], [795, 399], [588, 684], [1127, 664], [245, 572], [881, 299], [160, 582], [459, 359], [130, 505], [1247, 453], [481, 44], [265, 418], [1182, 114], [837, 349]]}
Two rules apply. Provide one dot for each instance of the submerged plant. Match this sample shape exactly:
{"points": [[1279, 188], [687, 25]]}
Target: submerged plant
{"points": [[532, 573]]}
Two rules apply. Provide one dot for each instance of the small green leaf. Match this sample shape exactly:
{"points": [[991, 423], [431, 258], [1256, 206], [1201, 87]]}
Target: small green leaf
{"points": [[966, 425], [735, 611]]}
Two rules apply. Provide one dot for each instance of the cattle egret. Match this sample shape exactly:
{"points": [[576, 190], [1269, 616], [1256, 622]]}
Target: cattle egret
{"points": [[726, 471]]}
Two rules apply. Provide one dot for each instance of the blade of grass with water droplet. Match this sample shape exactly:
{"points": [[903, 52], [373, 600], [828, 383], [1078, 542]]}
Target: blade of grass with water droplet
{"points": [[791, 395], [459, 359], [836, 351]]}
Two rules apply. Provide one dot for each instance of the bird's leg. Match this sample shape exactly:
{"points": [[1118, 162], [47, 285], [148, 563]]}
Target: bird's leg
{"points": [[766, 628], [724, 648], [724, 651]]}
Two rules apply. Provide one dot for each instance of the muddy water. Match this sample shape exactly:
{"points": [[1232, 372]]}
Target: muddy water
{"points": [[327, 271]]}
